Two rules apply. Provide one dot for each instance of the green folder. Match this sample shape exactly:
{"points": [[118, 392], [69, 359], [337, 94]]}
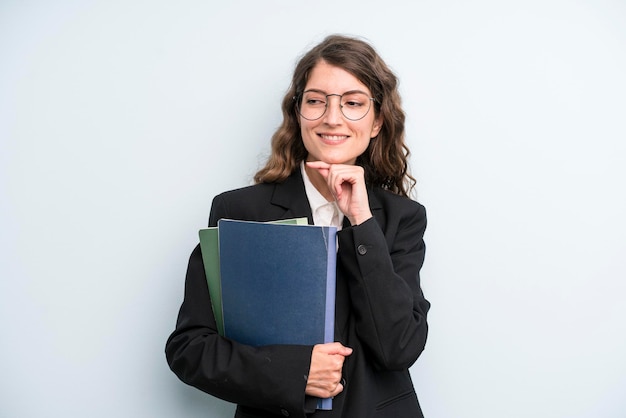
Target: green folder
{"points": [[209, 245]]}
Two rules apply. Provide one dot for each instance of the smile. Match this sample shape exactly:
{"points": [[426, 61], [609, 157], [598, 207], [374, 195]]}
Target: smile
{"points": [[333, 138]]}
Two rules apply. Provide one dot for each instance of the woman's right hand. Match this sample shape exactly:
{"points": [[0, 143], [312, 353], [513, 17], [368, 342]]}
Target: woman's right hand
{"points": [[324, 379]]}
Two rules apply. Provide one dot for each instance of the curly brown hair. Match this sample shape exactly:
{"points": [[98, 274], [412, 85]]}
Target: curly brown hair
{"points": [[386, 159]]}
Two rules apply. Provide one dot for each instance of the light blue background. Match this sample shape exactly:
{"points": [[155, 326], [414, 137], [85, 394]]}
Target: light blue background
{"points": [[120, 120]]}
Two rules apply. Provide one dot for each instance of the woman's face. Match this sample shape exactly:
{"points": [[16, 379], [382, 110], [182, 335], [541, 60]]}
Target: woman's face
{"points": [[333, 138]]}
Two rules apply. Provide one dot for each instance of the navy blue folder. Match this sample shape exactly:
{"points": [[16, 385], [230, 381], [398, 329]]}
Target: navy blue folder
{"points": [[278, 283]]}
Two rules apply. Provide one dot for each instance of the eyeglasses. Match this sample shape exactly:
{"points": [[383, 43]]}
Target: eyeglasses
{"points": [[312, 104]]}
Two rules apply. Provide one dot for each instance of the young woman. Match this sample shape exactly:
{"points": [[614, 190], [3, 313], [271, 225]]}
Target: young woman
{"points": [[339, 158]]}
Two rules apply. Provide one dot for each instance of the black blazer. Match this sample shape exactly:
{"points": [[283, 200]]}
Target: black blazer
{"points": [[380, 313]]}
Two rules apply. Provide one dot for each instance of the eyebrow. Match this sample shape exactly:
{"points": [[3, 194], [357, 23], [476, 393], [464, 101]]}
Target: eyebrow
{"points": [[345, 92]]}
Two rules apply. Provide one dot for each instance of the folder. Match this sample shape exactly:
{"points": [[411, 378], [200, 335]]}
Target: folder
{"points": [[272, 283], [209, 245]]}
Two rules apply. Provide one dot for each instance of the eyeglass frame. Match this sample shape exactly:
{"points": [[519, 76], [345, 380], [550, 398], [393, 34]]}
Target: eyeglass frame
{"points": [[301, 95]]}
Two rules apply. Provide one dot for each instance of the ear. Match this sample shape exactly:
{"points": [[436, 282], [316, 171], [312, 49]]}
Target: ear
{"points": [[376, 127]]}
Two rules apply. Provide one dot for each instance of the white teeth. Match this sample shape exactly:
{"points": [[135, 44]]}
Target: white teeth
{"points": [[334, 137]]}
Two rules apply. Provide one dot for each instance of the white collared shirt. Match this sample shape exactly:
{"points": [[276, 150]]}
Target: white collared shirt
{"points": [[325, 213]]}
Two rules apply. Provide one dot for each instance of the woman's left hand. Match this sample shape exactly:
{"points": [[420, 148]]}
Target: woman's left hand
{"points": [[347, 184]]}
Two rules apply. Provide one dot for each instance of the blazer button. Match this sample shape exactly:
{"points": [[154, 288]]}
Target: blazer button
{"points": [[284, 412], [362, 249]]}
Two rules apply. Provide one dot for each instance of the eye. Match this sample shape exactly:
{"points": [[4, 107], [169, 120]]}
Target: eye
{"points": [[355, 100], [313, 99], [352, 103]]}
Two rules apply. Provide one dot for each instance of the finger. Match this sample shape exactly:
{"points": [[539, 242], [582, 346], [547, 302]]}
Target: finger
{"points": [[320, 392], [321, 166], [346, 351], [337, 390], [317, 164], [340, 180], [337, 348]]}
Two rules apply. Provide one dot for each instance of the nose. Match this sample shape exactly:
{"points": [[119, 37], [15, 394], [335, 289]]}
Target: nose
{"points": [[333, 115]]}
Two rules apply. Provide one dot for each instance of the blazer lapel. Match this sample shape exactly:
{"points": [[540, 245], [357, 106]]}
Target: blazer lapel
{"points": [[291, 196]]}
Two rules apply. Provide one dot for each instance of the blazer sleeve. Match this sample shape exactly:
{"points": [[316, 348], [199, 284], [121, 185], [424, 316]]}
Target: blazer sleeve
{"points": [[269, 377], [382, 269]]}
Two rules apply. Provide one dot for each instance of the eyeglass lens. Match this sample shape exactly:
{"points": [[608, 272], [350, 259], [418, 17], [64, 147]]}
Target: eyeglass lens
{"points": [[353, 105]]}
